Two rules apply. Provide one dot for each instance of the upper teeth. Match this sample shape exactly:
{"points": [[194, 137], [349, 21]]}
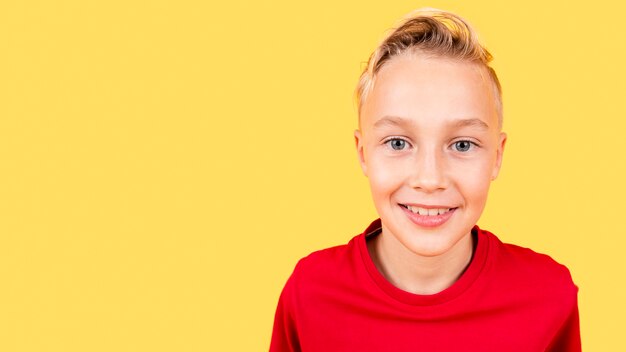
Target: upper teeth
{"points": [[424, 211]]}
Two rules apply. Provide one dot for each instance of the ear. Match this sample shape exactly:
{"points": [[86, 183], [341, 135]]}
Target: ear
{"points": [[498, 165], [358, 139]]}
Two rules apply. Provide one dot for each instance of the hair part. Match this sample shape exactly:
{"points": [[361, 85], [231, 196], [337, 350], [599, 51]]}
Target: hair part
{"points": [[434, 33]]}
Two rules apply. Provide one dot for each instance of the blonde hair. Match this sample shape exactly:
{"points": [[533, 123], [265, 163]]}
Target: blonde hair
{"points": [[432, 32]]}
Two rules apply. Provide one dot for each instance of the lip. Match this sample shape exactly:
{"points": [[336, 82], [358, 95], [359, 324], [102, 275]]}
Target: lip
{"points": [[427, 206], [428, 220]]}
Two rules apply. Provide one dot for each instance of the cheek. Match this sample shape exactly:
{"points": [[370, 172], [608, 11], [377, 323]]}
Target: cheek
{"points": [[384, 177], [475, 181]]}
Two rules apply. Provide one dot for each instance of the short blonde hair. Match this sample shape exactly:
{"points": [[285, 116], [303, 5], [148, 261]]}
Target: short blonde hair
{"points": [[432, 32]]}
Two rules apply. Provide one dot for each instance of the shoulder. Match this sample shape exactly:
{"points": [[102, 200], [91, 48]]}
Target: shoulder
{"points": [[530, 268], [328, 260], [313, 279], [332, 269]]}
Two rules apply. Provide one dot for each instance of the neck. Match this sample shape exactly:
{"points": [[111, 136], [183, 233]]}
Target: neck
{"points": [[418, 274]]}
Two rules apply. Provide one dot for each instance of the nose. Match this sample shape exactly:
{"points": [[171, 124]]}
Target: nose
{"points": [[428, 171]]}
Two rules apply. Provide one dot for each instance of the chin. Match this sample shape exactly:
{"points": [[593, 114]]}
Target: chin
{"points": [[433, 243], [429, 249]]}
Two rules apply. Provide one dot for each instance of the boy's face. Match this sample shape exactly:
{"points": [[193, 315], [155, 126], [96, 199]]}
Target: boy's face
{"points": [[430, 144]]}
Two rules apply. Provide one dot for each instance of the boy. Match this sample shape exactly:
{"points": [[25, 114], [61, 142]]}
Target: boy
{"points": [[424, 277]]}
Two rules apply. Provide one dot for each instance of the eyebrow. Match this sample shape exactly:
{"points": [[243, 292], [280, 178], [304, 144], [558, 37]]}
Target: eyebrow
{"points": [[472, 123], [399, 121], [392, 121]]}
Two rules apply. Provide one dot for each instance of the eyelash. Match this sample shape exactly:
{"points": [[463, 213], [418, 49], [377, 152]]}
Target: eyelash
{"points": [[388, 143], [472, 143]]}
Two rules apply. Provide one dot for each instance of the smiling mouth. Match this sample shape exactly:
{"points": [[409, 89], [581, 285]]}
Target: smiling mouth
{"points": [[427, 211]]}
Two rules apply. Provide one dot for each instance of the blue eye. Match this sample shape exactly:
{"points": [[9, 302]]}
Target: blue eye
{"points": [[462, 146], [397, 144]]}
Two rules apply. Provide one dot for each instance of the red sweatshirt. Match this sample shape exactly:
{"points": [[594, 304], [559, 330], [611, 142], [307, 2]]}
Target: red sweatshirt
{"points": [[508, 299]]}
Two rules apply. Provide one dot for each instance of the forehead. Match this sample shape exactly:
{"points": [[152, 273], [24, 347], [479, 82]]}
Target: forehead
{"points": [[430, 89]]}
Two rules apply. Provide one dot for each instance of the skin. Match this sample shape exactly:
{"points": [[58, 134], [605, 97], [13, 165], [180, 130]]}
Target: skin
{"points": [[428, 136]]}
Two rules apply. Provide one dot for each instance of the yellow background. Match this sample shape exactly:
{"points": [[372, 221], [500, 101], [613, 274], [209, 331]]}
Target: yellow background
{"points": [[164, 164]]}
